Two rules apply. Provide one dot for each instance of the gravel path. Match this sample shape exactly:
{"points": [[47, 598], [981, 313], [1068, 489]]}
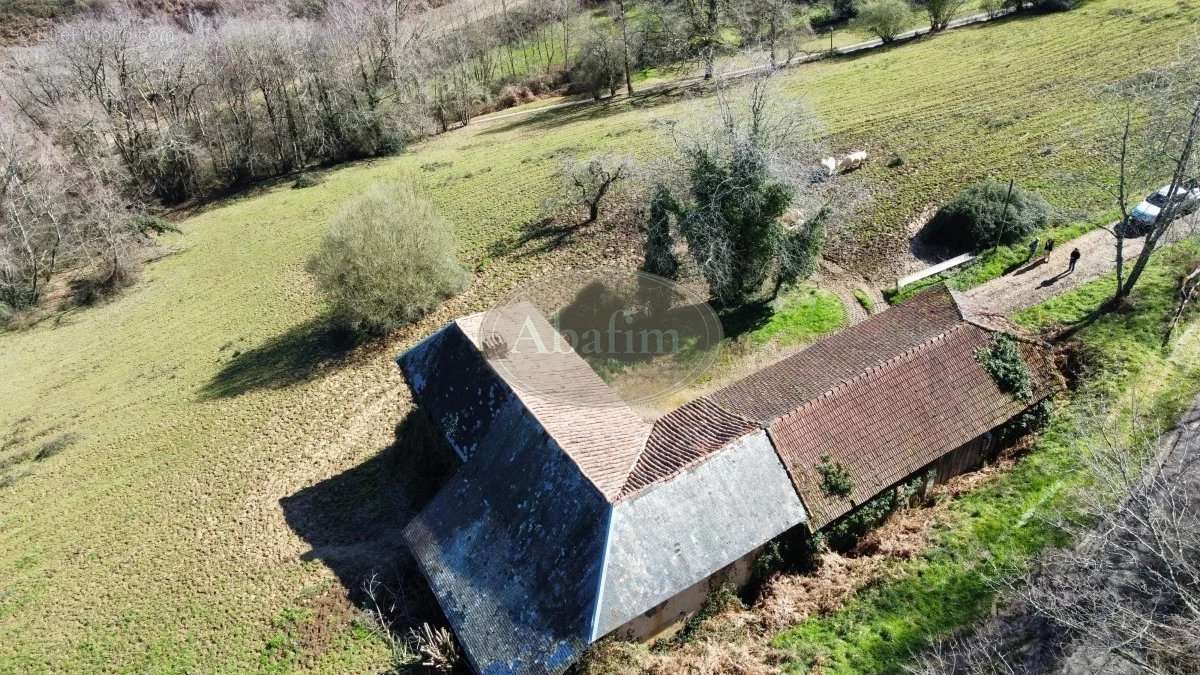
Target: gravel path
{"points": [[1038, 282]]}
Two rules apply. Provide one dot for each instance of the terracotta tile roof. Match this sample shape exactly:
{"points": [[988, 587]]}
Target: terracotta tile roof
{"points": [[899, 416], [692, 432], [591, 423], [682, 437], [785, 386]]}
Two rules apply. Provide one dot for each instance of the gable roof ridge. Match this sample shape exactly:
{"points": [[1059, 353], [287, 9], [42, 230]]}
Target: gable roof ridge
{"points": [[844, 384]]}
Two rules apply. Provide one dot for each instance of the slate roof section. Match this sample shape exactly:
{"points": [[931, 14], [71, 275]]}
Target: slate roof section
{"points": [[455, 385], [585, 416], [784, 386], [687, 527], [682, 437], [513, 547], [898, 417]]}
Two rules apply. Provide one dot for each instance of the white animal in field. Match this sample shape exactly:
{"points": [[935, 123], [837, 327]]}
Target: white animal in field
{"points": [[835, 165]]}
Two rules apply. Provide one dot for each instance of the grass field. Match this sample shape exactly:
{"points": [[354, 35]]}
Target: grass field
{"points": [[222, 461]]}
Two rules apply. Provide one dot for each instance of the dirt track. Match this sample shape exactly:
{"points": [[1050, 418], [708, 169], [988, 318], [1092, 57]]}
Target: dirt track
{"points": [[1037, 282]]}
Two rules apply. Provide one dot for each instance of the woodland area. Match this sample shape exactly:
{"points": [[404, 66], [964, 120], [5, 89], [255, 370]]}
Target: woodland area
{"points": [[123, 111]]}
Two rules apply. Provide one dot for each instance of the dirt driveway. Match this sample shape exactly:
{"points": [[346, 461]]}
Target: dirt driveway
{"points": [[1038, 282]]}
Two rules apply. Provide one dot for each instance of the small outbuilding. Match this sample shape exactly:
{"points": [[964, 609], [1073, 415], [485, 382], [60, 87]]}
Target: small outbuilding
{"points": [[572, 518]]}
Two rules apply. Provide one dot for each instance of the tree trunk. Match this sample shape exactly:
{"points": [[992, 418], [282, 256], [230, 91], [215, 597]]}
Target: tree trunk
{"points": [[1120, 268], [1168, 212], [625, 46], [772, 38], [710, 30]]}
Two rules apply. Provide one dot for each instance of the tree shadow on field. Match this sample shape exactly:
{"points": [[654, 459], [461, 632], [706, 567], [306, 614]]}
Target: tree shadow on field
{"points": [[739, 320], [297, 355], [543, 235], [554, 118], [354, 522]]}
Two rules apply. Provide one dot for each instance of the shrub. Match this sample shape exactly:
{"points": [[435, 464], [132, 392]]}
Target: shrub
{"points": [[844, 535], [884, 18], [437, 647], [821, 16], [735, 215], [722, 598], [9, 480], [305, 180], [843, 9], [513, 95], [1002, 360], [993, 7], [864, 300], [387, 259], [1043, 5], [979, 217], [799, 249], [598, 67], [146, 225], [835, 479], [106, 278], [941, 12], [1033, 420], [55, 446]]}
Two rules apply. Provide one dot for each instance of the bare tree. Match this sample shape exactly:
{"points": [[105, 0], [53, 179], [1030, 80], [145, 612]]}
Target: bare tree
{"points": [[433, 647], [1125, 595], [1173, 142], [589, 182], [775, 25], [1129, 172], [620, 15], [1129, 588], [1152, 134], [704, 35], [973, 654], [55, 214], [1189, 288]]}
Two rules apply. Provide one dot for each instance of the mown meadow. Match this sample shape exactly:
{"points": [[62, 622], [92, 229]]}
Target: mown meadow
{"points": [[221, 445]]}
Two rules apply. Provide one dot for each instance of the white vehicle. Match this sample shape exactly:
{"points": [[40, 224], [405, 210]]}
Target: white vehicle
{"points": [[1187, 199]]}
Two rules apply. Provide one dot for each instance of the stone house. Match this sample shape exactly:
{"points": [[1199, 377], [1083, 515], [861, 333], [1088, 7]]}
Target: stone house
{"points": [[571, 518]]}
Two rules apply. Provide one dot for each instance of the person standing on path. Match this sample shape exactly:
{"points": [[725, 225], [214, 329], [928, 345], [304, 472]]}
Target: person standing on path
{"points": [[1046, 252], [1075, 255], [1033, 248]]}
